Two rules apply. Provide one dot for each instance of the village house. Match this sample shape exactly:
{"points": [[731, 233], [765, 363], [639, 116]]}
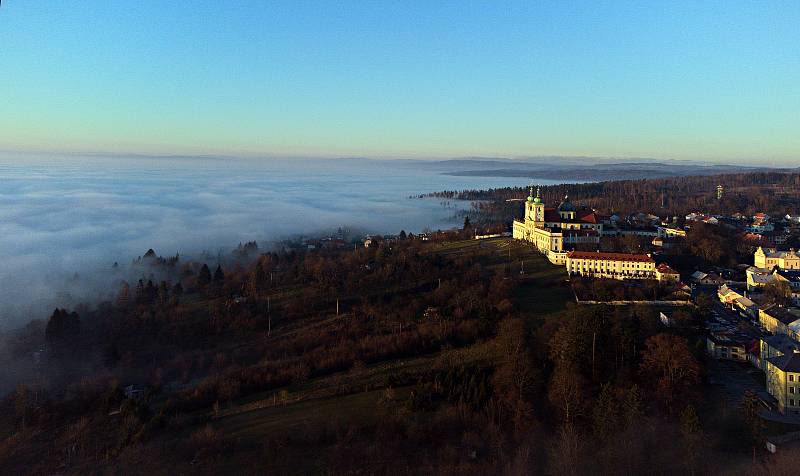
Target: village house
{"points": [[710, 278], [783, 381], [775, 346], [777, 319], [761, 224], [666, 274], [670, 232], [727, 346], [737, 301], [770, 258], [758, 278]]}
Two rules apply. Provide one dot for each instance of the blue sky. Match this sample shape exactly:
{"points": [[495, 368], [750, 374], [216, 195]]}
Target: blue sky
{"points": [[697, 80]]}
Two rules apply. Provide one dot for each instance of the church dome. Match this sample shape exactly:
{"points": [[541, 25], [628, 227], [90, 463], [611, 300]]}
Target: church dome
{"points": [[566, 205], [535, 199]]}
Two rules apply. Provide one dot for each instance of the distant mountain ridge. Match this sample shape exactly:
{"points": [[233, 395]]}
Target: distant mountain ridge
{"points": [[569, 170]]}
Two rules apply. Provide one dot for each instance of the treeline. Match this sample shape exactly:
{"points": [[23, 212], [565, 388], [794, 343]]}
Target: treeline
{"points": [[775, 193]]}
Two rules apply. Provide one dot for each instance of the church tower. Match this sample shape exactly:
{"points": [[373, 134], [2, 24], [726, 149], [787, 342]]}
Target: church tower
{"points": [[534, 209]]}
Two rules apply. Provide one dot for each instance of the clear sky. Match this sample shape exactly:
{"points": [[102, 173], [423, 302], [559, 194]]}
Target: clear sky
{"points": [[667, 79]]}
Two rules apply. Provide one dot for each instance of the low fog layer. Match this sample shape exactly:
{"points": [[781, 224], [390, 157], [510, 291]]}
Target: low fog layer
{"points": [[63, 216]]}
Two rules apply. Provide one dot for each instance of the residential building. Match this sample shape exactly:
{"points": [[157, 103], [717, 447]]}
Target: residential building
{"points": [[775, 346], [777, 319], [757, 278], [771, 258], [700, 277], [666, 274], [727, 345], [783, 381], [669, 232], [746, 306], [728, 295]]}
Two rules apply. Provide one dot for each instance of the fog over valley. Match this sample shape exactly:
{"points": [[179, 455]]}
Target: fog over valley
{"points": [[65, 215]]}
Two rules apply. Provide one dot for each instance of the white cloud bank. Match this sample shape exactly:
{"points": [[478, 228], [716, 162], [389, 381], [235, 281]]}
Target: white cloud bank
{"points": [[67, 215]]}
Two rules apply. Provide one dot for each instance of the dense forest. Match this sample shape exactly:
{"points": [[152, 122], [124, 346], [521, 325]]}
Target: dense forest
{"points": [[405, 357], [775, 193]]}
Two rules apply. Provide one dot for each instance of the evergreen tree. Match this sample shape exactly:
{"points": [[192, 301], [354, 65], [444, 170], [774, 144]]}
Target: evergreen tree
{"points": [[219, 276], [62, 326], [204, 277]]}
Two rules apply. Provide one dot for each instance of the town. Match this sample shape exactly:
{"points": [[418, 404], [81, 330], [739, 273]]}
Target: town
{"points": [[755, 316]]}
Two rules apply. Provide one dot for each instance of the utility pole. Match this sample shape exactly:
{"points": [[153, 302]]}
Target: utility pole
{"points": [[337, 307]]}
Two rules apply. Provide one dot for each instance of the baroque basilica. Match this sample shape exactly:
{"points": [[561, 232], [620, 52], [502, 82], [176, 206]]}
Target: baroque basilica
{"points": [[555, 231]]}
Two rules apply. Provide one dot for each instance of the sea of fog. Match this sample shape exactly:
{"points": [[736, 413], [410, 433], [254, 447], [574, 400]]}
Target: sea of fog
{"points": [[67, 215]]}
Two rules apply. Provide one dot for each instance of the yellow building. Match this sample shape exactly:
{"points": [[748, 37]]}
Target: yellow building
{"points": [[783, 381], [666, 274], [771, 258], [777, 319], [610, 265], [775, 346], [555, 230]]}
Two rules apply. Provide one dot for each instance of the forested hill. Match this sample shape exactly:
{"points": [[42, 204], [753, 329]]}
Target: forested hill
{"points": [[776, 193]]}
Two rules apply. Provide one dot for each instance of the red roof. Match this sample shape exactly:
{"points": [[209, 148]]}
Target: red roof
{"points": [[664, 268], [581, 216], [610, 256], [756, 239], [588, 216]]}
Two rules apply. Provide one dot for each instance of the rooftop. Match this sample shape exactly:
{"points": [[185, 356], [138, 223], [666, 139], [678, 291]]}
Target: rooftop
{"points": [[581, 216], [781, 313], [789, 362], [781, 342], [642, 258], [664, 268]]}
